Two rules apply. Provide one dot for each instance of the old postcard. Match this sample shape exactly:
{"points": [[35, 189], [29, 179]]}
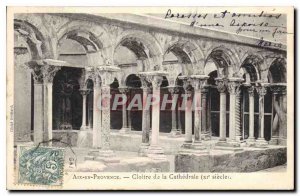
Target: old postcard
{"points": [[150, 98]]}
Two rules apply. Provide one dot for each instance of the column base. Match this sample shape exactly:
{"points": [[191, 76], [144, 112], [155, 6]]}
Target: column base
{"points": [[282, 141], [250, 142], [156, 153], [238, 138], [175, 133], [107, 156], [143, 149], [261, 143], [84, 128], [274, 140], [199, 148], [83, 139], [124, 130], [231, 146], [205, 136]]}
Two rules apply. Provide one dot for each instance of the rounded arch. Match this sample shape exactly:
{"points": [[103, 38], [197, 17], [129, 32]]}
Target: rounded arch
{"points": [[142, 44], [81, 32], [185, 51], [35, 40], [250, 65], [226, 60], [277, 71], [132, 80]]}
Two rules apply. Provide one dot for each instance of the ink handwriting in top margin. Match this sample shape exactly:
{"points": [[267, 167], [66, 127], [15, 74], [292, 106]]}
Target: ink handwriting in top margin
{"points": [[241, 26]]}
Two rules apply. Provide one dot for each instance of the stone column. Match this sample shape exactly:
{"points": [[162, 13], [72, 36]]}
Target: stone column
{"points": [[206, 135], [262, 90], [238, 133], [279, 126], [221, 85], [43, 74], [155, 151], [124, 129], [48, 80], [38, 127], [188, 136], [251, 138], [233, 89], [174, 131], [198, 82], [146, 118], [84, 93], [129, 114], [105, 154], [179, 125]]}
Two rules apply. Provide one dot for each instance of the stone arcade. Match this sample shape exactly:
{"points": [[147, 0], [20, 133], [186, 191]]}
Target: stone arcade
{"points": [[65, 62]]}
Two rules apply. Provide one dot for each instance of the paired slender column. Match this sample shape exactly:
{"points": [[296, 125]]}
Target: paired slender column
{"points": [[38, 126], [251, 138], [48, 80], [179, 125], [279, 120], [188, 136], [146, 117], [238, 133], [84, 93], [198, 82], [43, 74], [174, 131], [221, 86], [262, 90], [206, 135], [155, 151], [102, 119], [124, 129]]}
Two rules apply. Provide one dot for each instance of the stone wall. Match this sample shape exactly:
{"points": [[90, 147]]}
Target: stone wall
{"points": [[249, 160]]}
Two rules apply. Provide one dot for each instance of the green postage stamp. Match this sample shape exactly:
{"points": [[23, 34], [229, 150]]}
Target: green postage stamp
{"points": [[40, 165]]}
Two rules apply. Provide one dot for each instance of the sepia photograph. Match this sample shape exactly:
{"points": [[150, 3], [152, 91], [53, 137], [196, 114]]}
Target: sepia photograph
{"points": [[143, 98]]}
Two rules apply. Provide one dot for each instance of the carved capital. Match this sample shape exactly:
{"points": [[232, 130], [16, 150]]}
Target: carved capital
{"points": [[251, 91], [278, 89], [234, 85], [146, 83], [261, 90], [42, 72], [156, 81], [221, 84], [107, 74], [173, 90], [198, 81], [123, 89], [84, 92]]}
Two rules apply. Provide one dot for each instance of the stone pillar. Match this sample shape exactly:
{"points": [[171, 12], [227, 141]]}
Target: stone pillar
{"points": [[262, 90], [155, 78], [206, 135], [155, 151], [198, 82], [233, 89], [38, 126], [84, 93], [174, 131], [129, 114], [279, 109], [43, 74], [179, 125], [221, 85], [146, 118], [188, 136], [104, 154], [251, 138], [124, 129], [238, 132]]}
